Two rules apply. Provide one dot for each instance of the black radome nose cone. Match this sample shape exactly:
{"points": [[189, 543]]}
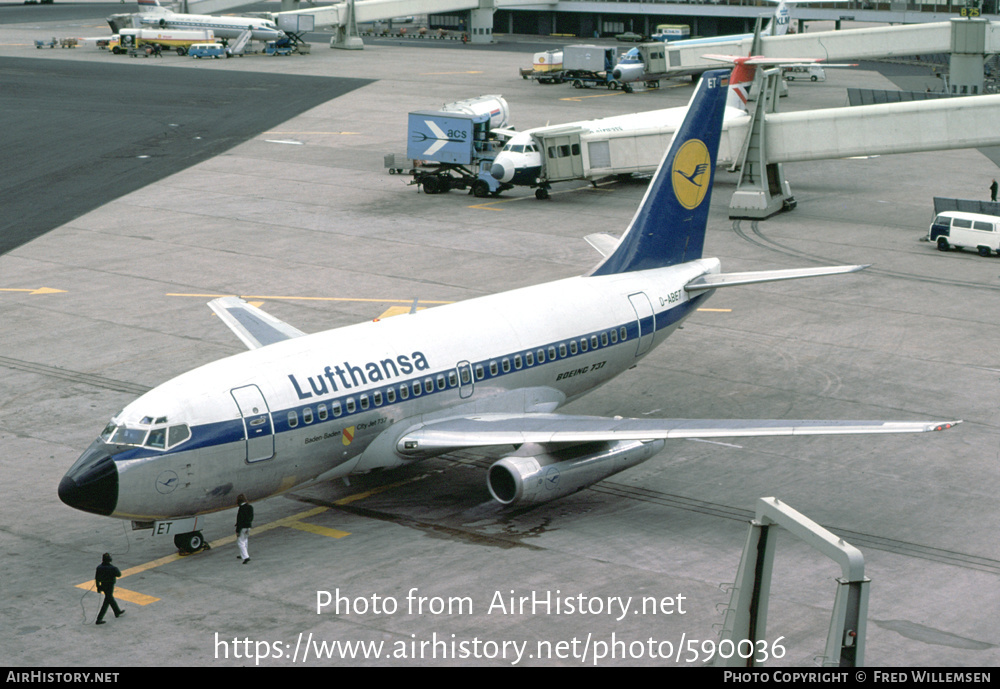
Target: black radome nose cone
{"points": [[91, 484]]}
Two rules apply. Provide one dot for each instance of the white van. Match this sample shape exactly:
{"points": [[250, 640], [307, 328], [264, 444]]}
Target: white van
{"points": [[810, 72], [955, 229]]}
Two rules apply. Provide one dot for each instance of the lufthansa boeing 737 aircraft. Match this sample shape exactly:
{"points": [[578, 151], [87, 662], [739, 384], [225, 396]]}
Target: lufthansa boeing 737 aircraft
{"points": [[299, 408]]}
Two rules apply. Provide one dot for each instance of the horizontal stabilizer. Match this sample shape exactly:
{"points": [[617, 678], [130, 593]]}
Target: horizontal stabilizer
{"points": [[602, 241], [254, 327], [714, 280], [544, 429]]}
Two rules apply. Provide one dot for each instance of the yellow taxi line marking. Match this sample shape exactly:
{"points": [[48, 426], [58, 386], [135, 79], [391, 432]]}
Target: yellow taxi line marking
{"points": [[289, 521], [123, 594], [397, 311], [275, 298], [40, 290], [577, 99], [320, 530]]}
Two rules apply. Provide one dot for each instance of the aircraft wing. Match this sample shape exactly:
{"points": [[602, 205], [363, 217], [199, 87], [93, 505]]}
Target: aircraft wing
{"points": [[545, 429], [254, 327]]}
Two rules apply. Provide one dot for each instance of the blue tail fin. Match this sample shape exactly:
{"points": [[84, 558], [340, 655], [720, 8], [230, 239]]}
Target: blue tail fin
{"points": [[669, 227]]}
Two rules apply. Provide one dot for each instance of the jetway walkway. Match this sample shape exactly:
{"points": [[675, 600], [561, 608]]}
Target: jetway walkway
{"points": [[908, 127], [967, 41]]}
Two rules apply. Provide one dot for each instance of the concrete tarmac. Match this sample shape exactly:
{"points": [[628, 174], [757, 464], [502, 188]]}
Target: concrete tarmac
{"points": [[425, 568]]}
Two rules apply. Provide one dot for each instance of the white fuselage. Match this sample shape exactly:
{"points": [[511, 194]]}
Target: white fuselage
{"points": [[334, 403], [223, 27]]}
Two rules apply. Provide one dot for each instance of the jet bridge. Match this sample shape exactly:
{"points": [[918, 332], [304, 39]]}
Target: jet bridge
{"points": [[967, 40], [910, 127]]}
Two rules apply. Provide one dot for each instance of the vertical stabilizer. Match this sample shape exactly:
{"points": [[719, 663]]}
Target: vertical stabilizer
{"points": [[151, 7], [669, 227]]}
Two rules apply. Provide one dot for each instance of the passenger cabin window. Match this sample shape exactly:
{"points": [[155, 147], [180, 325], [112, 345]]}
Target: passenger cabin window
{"points": [[428, 385], [404, 392], [364, 401], [307, 415], [622, 333], [614, 336], [293, 419], [337, 409], [321, 412], [390, 395], [517, 361], [572, 347], [351, 405], [562, 351], [493, 368], [377, 398], [480, 372], [505, 364], [529, 359]]}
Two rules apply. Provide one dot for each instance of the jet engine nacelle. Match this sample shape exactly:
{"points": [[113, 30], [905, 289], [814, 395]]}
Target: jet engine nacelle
{"points": [[533, 476]]}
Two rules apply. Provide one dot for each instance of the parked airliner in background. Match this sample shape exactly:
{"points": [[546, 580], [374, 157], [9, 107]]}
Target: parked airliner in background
{"points": [[298, 408], [520, 162], [152, 15], [632, 67]]}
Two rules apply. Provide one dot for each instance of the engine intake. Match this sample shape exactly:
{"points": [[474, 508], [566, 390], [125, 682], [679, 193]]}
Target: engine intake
{"points": [[533, 476]]}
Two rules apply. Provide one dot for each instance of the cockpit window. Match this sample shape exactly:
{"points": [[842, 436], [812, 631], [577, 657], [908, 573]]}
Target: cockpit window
{"points": [[159, 437]]}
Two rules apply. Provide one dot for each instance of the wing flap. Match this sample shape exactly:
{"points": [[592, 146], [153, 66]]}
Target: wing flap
{"points": [[503, 429], [254, 327]]}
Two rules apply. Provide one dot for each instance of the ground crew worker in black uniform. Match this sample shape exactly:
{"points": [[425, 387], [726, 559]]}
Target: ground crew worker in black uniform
{"points": [[105, 578], [244, 520]]}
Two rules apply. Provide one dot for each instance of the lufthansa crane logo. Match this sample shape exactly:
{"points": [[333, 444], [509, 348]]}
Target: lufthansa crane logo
{"points": [[691, 173]]}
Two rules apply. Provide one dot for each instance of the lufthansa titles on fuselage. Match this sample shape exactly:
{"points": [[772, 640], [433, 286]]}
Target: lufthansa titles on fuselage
{"points": [[336, 377]]}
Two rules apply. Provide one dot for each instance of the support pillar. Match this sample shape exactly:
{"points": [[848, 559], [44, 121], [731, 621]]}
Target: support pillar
{"points": [[346, 35], [968, 48], [481, 22], [762, 189]]}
